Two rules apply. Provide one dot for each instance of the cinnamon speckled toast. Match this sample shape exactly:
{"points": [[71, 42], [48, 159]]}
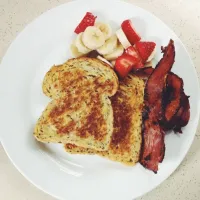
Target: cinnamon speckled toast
{"points": [[126, 140], [80, 112]]}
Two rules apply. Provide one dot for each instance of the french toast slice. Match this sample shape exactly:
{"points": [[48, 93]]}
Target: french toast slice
{"points": [[80, 112], [80, 75], [85, 122], [126, 140]]}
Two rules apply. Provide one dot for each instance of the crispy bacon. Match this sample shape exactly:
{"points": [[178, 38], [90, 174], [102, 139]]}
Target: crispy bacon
{"points": [[153, 144], [183, 115], [153, 147], [175, 103], [156, 83], [167, 109], [172, 96]]}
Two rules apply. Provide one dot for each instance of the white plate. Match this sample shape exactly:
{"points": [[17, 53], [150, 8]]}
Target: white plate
{"points": [[73, 177]]}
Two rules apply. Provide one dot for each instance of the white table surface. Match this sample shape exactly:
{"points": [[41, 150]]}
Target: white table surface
{"points": [[183, 16]]}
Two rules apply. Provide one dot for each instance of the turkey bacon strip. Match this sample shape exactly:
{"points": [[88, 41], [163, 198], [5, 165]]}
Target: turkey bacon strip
{"points": [[183, 116], [153, 147], [172, 97], [175, 103]]}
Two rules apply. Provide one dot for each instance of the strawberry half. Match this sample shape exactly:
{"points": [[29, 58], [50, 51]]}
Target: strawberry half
{"points": [[133, 52], [124, 65], [88, 20], [130, 32], [146, 50]]}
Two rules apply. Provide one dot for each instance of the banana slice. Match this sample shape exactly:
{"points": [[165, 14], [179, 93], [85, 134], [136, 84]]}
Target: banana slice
{"points": [[115, 54], [105, 29], [109, 46], [123, 39], [151, 57], [74, 51], [104, 60], [93, 38], [148, 64], [113, 62], [80, 46]]}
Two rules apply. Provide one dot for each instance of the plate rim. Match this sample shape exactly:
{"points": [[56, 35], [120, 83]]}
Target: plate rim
{"points": [[193, 68]]}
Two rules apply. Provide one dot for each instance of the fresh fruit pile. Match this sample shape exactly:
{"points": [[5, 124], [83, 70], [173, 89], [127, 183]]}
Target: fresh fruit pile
{"points": [[123, 50]]}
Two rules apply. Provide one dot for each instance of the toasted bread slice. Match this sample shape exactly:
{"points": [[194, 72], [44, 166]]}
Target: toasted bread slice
{"points": [[126, 139], [81, 112], [78, 75], [84, 122]]}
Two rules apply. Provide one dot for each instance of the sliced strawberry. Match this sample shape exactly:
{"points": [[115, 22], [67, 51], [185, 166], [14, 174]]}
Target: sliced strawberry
{"points": [[139, 65], [124, 65], [130, 32], [145, 50], [88, 20], [133, 52]]}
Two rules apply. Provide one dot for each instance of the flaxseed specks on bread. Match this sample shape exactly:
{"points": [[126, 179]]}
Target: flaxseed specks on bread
{"points": [[80, 112]]}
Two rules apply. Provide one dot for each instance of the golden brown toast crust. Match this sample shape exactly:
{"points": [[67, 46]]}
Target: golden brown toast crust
{"points": [[81, 112], [126, 139], [80, 74]]}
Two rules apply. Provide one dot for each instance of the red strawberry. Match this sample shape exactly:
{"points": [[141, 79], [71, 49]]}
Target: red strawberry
{"points": [[124, 65], [130, 32], [146, 50], [88, 20], [139, 65], [133, 52]]}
